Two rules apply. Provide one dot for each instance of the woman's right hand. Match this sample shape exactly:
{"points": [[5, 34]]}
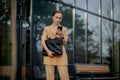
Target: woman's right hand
{"points": [[50, 53]]}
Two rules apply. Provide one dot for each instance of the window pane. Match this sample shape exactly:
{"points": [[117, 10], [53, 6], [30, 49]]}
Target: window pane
{"points": [[80, 37], [93, 38], [93, 7]]}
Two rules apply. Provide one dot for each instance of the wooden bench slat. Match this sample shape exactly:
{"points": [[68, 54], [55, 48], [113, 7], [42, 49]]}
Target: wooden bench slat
{"points": [[91, 68]]}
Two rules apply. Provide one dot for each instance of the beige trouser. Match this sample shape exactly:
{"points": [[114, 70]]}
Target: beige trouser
{"points": [[62, 69]]}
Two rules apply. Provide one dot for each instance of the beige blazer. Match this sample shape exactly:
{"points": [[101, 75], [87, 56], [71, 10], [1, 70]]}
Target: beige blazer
{"points": [[49, 32]]}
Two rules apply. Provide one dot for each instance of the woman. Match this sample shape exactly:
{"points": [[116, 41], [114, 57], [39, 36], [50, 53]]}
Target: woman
{"points": [[51, 61]]}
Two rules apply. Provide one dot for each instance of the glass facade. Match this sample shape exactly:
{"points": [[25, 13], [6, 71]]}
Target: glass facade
{"points": [[93, 30], [5, 38]]}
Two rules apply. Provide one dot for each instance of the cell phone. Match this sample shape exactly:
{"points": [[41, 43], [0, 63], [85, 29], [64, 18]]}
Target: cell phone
{"points": [[60, 27]]}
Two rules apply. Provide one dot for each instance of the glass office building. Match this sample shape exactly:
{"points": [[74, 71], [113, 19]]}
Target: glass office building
{"points": [[93, 30]]}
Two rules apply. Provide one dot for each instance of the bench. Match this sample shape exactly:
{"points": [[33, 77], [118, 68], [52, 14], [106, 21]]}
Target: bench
{"points": [[91, 70]]}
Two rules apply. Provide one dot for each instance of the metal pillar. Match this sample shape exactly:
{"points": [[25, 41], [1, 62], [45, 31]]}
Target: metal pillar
{"points": [[19, 38]]}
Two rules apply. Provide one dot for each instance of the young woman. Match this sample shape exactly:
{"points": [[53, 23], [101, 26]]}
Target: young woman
{"points": [[51, 61]]}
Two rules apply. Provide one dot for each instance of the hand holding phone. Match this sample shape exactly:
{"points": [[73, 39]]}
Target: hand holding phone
{"points": [[59, 27], [59, 30]]}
